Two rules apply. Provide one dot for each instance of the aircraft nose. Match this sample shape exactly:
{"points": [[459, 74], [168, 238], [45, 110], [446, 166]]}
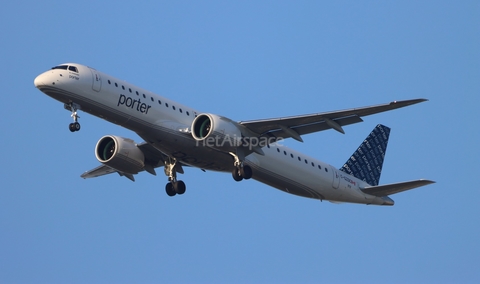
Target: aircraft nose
{"points": [[39, 80]]}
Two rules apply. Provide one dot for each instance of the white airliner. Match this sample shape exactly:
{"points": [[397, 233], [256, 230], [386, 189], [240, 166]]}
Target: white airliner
{"points": [[177, 136]]}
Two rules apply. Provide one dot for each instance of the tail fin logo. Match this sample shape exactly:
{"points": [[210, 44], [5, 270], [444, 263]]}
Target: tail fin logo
{"points": [[366, 163]]}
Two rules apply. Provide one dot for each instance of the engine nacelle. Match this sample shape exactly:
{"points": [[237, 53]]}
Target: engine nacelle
{"points": [[120, 153], [216, 131]]}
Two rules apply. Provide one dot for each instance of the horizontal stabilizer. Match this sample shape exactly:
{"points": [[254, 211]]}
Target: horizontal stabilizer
{"points": [[388, 189]]}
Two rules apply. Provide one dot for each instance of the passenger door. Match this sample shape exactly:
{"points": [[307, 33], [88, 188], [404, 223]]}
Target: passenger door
{"points": [[97, 80], [336, 178]]}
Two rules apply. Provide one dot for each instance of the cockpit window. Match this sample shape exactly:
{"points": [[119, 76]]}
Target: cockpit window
{"points": [[66, 67], [63, 67], [73, 68]]}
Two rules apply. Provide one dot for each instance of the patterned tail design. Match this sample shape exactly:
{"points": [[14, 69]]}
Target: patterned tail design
{"points": [[366, 163]]}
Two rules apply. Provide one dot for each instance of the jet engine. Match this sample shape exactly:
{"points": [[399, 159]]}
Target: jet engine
{"points": [[120, 153], [216, 131]]}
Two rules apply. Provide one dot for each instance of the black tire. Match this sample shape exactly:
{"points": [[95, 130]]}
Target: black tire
{"points": [[180, 187], [76, 125], [71, 127], [169, 189], [246, 172], [237, 176]]}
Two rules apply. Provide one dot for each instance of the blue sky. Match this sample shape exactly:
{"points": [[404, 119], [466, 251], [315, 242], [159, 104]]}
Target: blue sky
{"points": [[246, 60]]}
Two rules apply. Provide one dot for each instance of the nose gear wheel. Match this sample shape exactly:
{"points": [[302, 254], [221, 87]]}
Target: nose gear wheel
{"points": [[74, 126]]}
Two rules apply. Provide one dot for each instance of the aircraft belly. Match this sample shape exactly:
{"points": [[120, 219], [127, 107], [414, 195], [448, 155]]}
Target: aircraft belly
{"points": [[302, 180], [283, 185], [282, 176], [113, 117]]}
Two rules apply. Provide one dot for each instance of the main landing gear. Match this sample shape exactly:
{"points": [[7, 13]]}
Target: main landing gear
{"points": [[174, 186], [75, 126], [240, 171]]}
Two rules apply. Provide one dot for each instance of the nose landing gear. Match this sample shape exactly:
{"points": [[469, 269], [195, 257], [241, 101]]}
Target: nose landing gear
{"points": [[75, 126]]}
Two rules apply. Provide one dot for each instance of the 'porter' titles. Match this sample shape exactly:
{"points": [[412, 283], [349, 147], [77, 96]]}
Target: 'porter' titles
{"points": [[133, 104]]}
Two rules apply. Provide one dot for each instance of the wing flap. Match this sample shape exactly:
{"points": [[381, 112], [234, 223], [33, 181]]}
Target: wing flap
{"points": [[388, 189], [320, 126]]}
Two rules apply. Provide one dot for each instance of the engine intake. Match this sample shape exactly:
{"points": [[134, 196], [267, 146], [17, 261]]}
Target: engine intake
{"points": [[120, 153], [216, 131]]}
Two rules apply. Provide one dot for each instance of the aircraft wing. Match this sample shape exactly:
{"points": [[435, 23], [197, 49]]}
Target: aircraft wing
{"points": [[388, 189], [98, 171], [153, 159], [295, 126], [105, 170]]}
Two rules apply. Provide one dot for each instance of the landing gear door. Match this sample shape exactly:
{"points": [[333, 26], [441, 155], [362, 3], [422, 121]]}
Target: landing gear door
{"points": [[97, 80]]}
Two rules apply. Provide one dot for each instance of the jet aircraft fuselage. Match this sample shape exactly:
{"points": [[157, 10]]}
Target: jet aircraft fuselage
{"points": [[177, 136]]}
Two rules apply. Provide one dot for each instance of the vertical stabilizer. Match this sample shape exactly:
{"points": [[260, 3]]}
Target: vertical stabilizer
{"points": [[366, 163]]}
